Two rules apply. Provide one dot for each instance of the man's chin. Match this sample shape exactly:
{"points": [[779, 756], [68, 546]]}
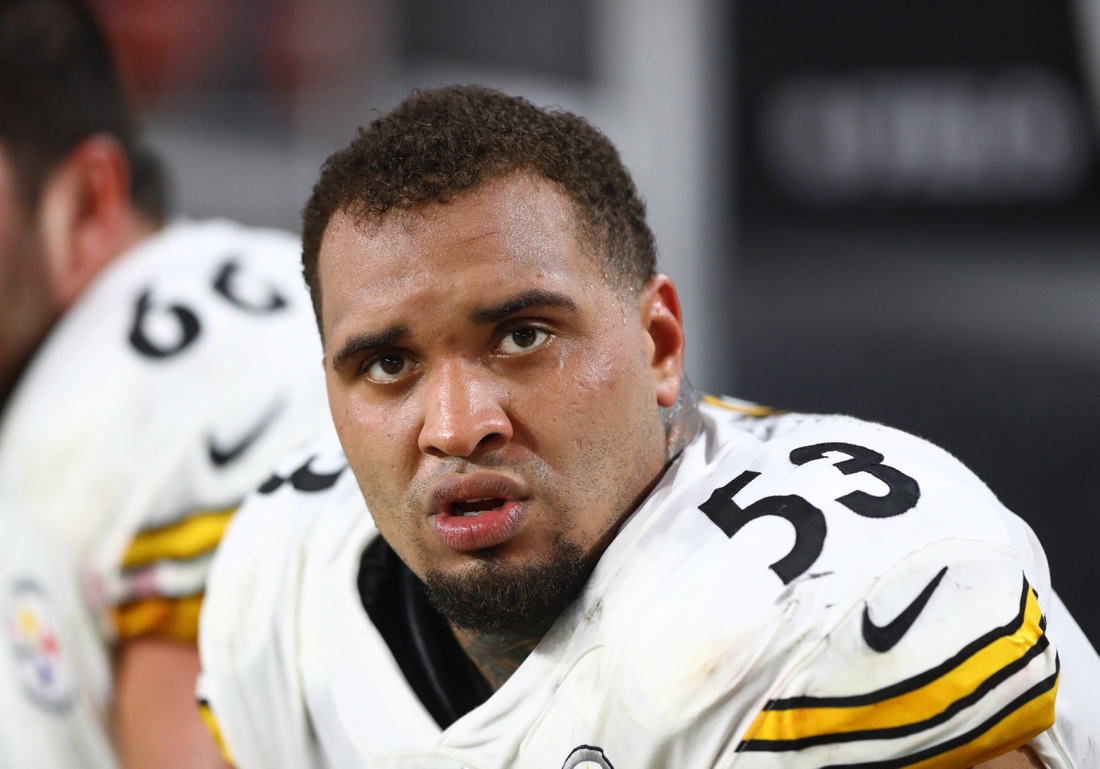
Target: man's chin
{"points": [[495, 596]]}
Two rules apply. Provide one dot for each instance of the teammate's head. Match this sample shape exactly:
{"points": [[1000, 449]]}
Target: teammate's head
{"points": [[74, 179], [496, 344]]}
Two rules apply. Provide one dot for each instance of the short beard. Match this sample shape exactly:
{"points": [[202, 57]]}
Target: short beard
{"points": [[502, 599]]}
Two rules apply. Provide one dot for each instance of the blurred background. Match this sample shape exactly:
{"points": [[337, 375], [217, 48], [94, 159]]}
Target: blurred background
{"points": [[890, 210]]}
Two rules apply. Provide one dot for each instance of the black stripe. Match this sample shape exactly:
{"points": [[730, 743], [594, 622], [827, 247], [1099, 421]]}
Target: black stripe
{"points": [[905, 730], [1038, 690], [909, 684]]}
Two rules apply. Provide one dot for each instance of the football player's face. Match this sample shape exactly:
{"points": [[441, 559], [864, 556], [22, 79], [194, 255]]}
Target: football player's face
{"points": [[494, 393], [27, 308]]}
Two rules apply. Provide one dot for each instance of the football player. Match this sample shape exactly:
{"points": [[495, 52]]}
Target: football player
{"points": [[150, 374], [529, 544]]}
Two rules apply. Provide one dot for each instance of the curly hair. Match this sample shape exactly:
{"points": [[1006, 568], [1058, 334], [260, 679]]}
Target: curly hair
{"points": [[439, 143]]}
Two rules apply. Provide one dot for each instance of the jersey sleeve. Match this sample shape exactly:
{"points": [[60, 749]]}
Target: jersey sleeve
{"points": [[250, 685], [945, 662], [162, 577]]}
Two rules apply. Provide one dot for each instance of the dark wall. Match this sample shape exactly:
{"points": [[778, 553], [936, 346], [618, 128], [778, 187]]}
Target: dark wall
{"points": [[548, 38]]}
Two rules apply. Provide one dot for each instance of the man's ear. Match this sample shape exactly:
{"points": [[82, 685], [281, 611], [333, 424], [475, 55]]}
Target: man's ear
{"points": [[663, 323], [83, 214]]}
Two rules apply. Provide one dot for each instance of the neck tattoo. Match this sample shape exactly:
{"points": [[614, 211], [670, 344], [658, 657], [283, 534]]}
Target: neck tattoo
{"points": [[497, 657]]}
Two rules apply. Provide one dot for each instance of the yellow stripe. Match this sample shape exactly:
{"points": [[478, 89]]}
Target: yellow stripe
{"points": [[911, 707], [215, 731], [174, 618], [1023, 724], [187, 539], [749, 411]]}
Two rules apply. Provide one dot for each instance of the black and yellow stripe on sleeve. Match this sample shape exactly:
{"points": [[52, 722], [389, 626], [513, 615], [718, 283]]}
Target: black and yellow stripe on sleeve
{"points": [[211, 721], [189, 538], [173, 618], [926, 701], [169, 613]]}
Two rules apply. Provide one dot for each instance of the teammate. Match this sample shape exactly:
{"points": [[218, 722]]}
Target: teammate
{"points": [[531, 544], [150, 374]]}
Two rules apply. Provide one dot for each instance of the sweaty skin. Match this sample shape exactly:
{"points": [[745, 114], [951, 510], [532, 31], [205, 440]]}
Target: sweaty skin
{"points": [[476, 350]]}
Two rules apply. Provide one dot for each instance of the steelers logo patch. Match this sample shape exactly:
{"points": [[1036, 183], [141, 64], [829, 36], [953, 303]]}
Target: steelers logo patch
{"points": [[32, 629], [587, 757]]}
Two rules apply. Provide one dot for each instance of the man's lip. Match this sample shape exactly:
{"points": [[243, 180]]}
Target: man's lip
{"points": [[478, 532], [466, 533], [458, 488]]}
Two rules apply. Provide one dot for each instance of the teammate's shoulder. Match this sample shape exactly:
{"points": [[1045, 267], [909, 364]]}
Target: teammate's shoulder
{"points": [[201, 328], [191, 291], [216, 263], [186, 243]]}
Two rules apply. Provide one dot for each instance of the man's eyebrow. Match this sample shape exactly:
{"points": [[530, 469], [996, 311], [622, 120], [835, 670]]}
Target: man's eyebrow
{"points": [[536, 297], [357, 345]]}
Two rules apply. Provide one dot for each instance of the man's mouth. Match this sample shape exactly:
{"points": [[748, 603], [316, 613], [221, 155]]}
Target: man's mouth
{"points": [[474, 512], [469, 508]]}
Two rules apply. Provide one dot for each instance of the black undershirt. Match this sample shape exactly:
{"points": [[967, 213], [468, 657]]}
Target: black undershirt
{"points": [[445, 680]]}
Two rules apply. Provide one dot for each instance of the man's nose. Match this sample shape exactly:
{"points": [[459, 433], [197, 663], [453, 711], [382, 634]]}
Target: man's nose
{"points": [[464, 413]]}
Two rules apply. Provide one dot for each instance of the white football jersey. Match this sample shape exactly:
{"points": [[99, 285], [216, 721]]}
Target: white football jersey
{"points": [[172, 386], [54, 680], [797, 591]]}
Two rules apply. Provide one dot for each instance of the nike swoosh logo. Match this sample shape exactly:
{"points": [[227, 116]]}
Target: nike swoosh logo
{"points": [[883, 639], [303, 479], [220, 457]]}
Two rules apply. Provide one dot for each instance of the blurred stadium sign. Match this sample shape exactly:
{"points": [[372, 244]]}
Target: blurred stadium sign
{"points": [[941, 136], [861, 105]]}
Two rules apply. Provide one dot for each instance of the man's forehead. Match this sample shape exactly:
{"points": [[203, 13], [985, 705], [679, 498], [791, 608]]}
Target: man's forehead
{"points": [[514, 231], [520, 212]]}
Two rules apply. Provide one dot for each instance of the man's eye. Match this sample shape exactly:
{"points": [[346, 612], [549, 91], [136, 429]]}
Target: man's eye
{"points": [[523, 340], [389, 368]]}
